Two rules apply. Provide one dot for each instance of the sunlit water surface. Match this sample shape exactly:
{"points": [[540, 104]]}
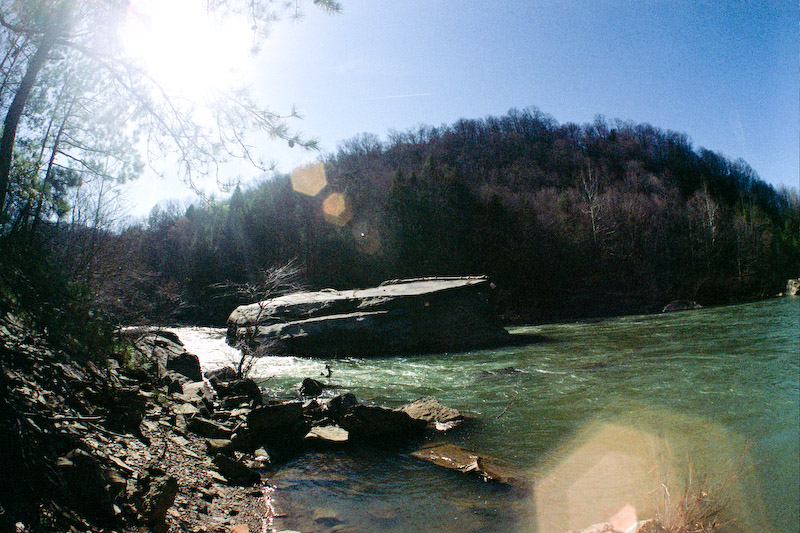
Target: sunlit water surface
{"points": [[593, 415]]}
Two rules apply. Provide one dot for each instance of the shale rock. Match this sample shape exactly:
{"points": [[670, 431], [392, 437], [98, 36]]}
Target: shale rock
{"points": [[235, 471], [158, 494], [166, 350], [379, 424], [208, 428], [400, 316], [434, 414], [454, 457]]}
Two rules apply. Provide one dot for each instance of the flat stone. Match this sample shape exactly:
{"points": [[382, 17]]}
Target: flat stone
{"points": [[215, 446], [399, 316], [457, 458], [433, 413], [208, 428], [332, 435], [185, 409]]}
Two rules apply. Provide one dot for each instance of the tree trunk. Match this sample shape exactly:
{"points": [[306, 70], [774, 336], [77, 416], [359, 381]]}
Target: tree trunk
{"points": [[58, 25]]}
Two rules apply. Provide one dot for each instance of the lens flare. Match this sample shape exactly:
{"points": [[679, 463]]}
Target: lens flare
{"points": [[336, 209], [309, 179]]}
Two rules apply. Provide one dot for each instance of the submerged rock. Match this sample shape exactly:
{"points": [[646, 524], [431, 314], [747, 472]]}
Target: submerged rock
{"points": [[400, 316], [454, 457]]}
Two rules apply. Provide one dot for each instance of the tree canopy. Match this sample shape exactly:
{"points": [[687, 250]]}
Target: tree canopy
{"points": [[75, 103]]}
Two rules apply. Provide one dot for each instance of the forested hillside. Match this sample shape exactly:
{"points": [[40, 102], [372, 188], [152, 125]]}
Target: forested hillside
{"points": [[569, 220]]}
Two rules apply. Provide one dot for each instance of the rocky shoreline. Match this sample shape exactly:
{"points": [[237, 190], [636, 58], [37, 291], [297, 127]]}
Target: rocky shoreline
{"points": [[146, 443]]}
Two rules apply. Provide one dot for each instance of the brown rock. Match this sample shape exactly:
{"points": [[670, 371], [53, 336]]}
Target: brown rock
{"points": [[208, 428], [159, 493], [327, 436], [433, 413], [457, 458]]}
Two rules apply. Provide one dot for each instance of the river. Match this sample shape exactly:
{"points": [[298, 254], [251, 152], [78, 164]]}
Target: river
{"points": [[594, 415]]}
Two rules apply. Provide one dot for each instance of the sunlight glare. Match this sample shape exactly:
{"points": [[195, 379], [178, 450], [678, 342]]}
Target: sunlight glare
{"points": [[186, 50]]}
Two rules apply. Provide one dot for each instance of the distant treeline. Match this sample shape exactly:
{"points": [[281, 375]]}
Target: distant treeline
{"points": [[568, 220]]}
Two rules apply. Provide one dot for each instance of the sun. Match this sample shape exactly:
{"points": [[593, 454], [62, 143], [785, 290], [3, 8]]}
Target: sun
{"points": [[186, 50]]}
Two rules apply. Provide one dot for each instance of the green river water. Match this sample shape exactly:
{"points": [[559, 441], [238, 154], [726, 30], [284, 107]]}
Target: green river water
{"points": [[592, 415]]}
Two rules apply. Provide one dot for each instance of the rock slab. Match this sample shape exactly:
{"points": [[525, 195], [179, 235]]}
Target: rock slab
{"points": [[399, 316], [454, 457]]}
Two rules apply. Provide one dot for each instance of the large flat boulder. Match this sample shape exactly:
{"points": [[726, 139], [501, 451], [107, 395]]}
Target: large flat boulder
{"points": [[399, 316]]}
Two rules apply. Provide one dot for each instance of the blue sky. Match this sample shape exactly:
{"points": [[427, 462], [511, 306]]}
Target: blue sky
{"points": [[725, 73]]}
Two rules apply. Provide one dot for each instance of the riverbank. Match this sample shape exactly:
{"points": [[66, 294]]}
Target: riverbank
{"points": [[526, 404], [96, 448], [144, 443]]}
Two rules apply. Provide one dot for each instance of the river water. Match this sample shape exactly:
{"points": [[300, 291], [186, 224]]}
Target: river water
{"points": [[635, 411]]}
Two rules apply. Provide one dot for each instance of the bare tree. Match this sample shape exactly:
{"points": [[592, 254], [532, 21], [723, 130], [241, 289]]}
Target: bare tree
{"points": [[273, 282], [65, 33]]}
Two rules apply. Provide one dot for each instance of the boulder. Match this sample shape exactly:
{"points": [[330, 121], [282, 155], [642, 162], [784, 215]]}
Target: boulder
{"points": [[266, 420], [226, 373], [338, 405], [165, 349], [235, 471], [157, 492], [240, 388], [681, 305], [373, 423], [311, 387], [434, 414], [793, 287], [454, 457], [401, 316], [327, 436]]}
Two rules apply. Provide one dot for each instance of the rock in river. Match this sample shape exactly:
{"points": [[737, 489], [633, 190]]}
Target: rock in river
{"points": [[400, 316], [436, 415], [681, 305], [468, 462]]}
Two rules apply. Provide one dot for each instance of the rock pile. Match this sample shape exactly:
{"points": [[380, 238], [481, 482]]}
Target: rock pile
{"points": [[146, 443]]}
